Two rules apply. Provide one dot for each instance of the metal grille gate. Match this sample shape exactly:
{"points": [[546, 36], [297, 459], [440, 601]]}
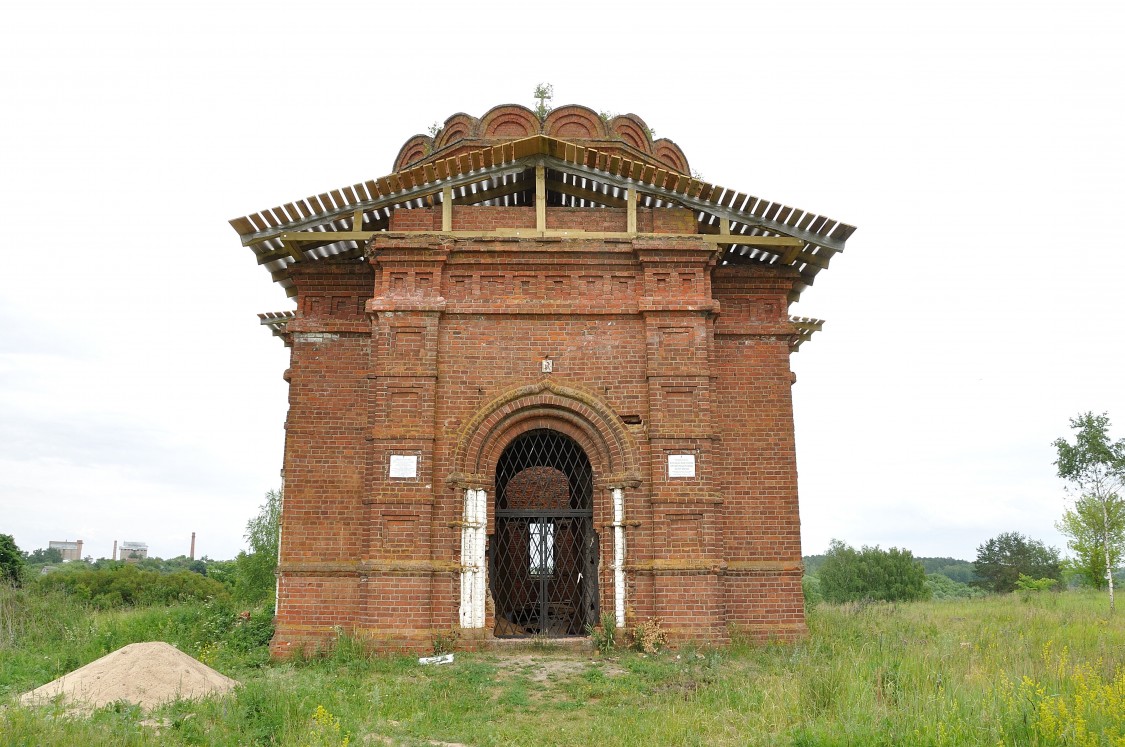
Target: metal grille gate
{"points": [[543, 556]]}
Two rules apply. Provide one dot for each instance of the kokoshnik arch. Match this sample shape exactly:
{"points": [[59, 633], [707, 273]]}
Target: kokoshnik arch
{"points": [[539, 374]]}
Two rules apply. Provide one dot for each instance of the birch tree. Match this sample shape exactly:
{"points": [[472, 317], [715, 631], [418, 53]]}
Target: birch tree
{"points": [[1095, 466]]}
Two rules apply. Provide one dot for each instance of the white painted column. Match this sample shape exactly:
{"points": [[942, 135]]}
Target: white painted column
{"points": [[466, 555], [473, 526], [619, 556], [480, 574]]}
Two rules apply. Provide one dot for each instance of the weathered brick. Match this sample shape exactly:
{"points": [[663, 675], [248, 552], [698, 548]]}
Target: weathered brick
{"points": [[432, 351]]}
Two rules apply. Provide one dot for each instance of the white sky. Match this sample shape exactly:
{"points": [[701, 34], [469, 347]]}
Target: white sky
{"points": [[976, 145]]}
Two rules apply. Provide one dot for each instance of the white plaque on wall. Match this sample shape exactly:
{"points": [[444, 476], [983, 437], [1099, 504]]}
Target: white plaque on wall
{"points": [[681, 465], [404, 465]]}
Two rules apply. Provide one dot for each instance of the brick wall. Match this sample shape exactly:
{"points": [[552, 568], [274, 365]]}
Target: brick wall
{"points": [[427, 351]]}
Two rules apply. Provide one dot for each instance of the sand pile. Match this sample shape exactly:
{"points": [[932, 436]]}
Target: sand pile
{"points": [[146, 674]]}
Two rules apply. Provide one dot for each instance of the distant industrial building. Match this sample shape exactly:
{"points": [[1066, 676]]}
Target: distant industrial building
{"points": [[69, 550], [134, 551]]}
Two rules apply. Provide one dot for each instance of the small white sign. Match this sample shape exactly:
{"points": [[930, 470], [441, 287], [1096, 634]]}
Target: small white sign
{"points": [[681, 465], [404, 465]]}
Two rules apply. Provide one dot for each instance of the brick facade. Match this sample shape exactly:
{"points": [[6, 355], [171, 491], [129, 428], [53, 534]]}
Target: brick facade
{"points": [[418, 359], [434, 348]]}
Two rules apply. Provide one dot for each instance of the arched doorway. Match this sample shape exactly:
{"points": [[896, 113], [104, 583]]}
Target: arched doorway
{"points": [[543, 555]]}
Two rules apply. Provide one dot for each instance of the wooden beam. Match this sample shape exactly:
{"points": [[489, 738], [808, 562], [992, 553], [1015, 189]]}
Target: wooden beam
{"points": [[630, 210], [396, 192], [327, 237], [357, 220], [815, 260], [447, 208], [472, 198], [791, 246], [541, 198], [761, 242], [591, 195], [661, 190], [294, 250]]}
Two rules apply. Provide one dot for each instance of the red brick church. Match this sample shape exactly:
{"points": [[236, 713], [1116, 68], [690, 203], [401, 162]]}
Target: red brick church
{"points": [[539, 374]]}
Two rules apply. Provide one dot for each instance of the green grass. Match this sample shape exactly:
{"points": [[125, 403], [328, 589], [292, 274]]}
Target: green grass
{"points": [[980, 671]]}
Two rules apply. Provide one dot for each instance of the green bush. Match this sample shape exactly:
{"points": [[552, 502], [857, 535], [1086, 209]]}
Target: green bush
{"points": [[127, 585], [1031, 588], [252, 631], [11, 561], [810, 588], [45, 556], [45, 633], [850, 575], [958, 570], [1004, 558], [604, 636], [943, 587], [254, 572]]}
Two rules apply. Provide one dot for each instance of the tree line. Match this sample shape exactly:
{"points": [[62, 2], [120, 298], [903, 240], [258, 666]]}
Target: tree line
{"points": [[1093, 522], [248, 579]]}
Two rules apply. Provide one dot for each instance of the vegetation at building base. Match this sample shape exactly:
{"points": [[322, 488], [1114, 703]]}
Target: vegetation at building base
{"points": [[993, 670], [1033, 668]]}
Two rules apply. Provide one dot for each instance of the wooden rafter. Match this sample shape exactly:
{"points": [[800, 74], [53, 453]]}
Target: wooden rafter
{"points": [[293, 233], [492, 193], [422, 182], [590, 195], [806, 327]]}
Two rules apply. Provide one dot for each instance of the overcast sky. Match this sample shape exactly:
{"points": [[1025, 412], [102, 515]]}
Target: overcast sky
{"points": [[976, 145]]}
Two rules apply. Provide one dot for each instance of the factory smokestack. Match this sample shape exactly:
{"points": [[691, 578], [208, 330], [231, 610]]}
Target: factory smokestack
{"points": [[192, 555], [114, 556]]}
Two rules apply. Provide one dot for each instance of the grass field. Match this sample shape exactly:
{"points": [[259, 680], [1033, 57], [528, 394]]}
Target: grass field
{"points": [[998, 670]]}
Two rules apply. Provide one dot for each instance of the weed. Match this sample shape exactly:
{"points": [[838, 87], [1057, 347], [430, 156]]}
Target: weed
{"points": [[346, 648], [544, 92], [446, 642], [1032, 589], [326, 730], [208, 654], [604, 636], [649, 636]]}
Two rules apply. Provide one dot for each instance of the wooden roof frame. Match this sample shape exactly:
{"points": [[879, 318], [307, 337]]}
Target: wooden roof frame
{"points": [[340, 223]]}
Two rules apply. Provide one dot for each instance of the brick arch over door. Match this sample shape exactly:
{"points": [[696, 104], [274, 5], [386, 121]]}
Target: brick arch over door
{"points": [[580, 415]]}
